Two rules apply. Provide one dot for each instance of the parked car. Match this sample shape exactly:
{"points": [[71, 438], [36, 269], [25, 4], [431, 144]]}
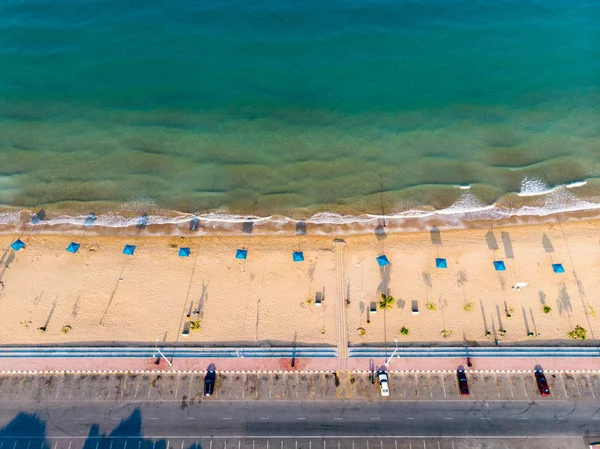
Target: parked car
{"points": [[383, 383], [463, 385], [542, 383], [209, 382]]}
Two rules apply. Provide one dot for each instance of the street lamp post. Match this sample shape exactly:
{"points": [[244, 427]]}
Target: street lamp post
{"points": [[161, 354], [387, 364]]}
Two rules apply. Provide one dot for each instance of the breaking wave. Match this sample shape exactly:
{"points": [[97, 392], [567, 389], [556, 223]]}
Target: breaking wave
{"points": [[545, 201]]}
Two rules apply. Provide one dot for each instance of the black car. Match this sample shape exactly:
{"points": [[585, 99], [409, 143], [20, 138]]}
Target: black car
{"points": [[463, 385], [542, 383], [209, 382]]}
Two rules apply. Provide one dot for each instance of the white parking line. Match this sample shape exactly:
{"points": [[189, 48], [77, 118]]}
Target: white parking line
{"points": [[590, 385], [443, 384], [577, 385], [496, 383], [524, 390], [512, 395], [563, 384]]}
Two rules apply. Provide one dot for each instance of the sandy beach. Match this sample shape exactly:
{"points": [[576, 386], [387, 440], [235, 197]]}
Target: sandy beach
{"points": [[110, 298]]}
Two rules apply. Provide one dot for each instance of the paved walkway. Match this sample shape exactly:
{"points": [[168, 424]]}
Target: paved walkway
{"points": [[342, 327], [246, 364]]}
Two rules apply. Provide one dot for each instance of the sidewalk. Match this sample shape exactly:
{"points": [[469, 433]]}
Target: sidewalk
{"points": [[273, 364]]}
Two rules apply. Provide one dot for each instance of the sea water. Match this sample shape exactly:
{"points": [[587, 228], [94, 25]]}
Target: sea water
{"points": [[299, 108]]}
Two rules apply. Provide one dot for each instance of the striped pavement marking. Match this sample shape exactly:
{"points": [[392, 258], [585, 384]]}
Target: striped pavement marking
{"points": [[285, 372]]}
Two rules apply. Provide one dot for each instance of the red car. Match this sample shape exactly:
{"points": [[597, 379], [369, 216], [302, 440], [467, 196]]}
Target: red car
{"points": [[463, 385], [542, 383]]}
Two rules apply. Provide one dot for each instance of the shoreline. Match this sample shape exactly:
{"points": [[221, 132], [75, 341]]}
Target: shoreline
{"points": [[25, 222]]}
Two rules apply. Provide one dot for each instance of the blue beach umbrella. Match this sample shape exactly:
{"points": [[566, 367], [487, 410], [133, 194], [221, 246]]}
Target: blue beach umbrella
{"points": [[440, 263], [558, 268], [73, 247], [17, 245], [129, 250], [184, 252], [499, 265], [241, 254], [383, 260], [298, 256]]}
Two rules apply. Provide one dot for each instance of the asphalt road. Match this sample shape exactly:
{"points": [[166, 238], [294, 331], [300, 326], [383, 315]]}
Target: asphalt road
{"points": [[277, 419]]}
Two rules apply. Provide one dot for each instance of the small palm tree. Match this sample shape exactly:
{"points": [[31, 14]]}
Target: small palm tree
{"points": [[386, 302]]}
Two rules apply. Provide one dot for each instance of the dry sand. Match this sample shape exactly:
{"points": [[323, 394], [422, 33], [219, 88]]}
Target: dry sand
{"points": [[263, 300]]}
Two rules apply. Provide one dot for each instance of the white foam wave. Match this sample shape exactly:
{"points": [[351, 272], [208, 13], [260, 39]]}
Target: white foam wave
{"points": [[468, 207], [333, 218], [224, 217], [10, 218], [534, 187], [558, 201]]}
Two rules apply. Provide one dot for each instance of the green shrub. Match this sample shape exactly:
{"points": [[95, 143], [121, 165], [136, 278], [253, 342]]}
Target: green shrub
{"points": [[404, 330], [547, 309], [578, 333], [195, 325], [430, 306], [446, 333], [468, 307], [65, 329], [386, 302]]}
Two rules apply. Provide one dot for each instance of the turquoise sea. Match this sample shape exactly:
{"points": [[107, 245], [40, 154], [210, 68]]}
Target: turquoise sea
{"points": [[295, 107]]}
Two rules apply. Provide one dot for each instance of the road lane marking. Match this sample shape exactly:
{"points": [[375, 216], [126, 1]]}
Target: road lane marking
{"points": [[448, 418], [338, 418], [189, 417], [152, 418], [377, 419], [300, 418], [265, 418], [521, 418], [410, 418], [227, 418], [484, 418]]}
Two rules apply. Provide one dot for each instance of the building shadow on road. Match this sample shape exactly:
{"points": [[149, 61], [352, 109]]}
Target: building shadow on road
{"points": [[28, 428]]}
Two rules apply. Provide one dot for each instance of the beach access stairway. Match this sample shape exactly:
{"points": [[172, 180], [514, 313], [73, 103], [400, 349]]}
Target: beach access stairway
{"points": [[296, 352]]}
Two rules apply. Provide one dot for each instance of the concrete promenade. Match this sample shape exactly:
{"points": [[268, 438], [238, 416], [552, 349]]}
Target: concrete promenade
{"points": [[301, 364]]}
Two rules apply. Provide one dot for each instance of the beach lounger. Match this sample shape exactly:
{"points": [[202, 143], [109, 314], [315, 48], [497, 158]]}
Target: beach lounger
{"points": [[415, 307], [186, 329], [318, 298]]}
